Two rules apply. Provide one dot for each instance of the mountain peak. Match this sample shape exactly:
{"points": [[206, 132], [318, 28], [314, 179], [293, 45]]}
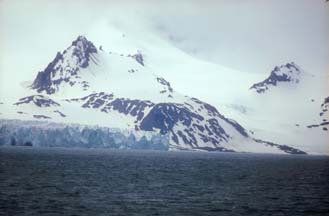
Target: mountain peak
{"points": [[289, 72], [81, 40], [65, 66], [289, 68], [82, 49]]}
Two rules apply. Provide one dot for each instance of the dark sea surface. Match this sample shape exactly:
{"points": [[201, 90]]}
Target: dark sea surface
{"points": [[41, 181]]}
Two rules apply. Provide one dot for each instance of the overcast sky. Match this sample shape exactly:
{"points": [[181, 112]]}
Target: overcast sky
{"points": [[248, 35]]}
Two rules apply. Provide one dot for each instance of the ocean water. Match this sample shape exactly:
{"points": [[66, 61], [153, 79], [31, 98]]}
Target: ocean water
{"points": [[41, 181]]}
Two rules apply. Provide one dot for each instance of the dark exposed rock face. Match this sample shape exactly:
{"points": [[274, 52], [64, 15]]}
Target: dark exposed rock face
{"points": [[60, 113], [326, 100], [41, 117], [59, 71], [324, 114], [165, 115], [318, 125], [38, 100], [83, 50], [134, 108], [285, 148], [212, 111], [285, 73], [94, 100], [187, 126], [166, 84], [139, 58], [324, 106], [106, 103], [43, 80]]}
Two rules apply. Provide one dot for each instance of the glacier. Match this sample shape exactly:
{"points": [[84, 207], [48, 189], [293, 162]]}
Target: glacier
{"points": [[50, 134]]}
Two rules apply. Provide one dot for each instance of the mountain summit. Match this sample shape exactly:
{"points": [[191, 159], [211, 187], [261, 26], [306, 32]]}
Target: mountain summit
{"points": [[83, 50], [289, 72], [66, 66]]}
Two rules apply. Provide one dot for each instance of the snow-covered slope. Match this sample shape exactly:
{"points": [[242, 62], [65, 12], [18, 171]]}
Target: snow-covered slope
{"points": [[324, 114], [288, 106], [91, 85]]}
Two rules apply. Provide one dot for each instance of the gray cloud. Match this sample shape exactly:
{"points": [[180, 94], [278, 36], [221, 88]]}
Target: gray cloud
{"points": [[249, 35]]}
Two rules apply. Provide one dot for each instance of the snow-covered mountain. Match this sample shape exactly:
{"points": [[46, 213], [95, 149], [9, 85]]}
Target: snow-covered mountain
{"points": [[91, 85], [289, 72], [288, 106]]}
